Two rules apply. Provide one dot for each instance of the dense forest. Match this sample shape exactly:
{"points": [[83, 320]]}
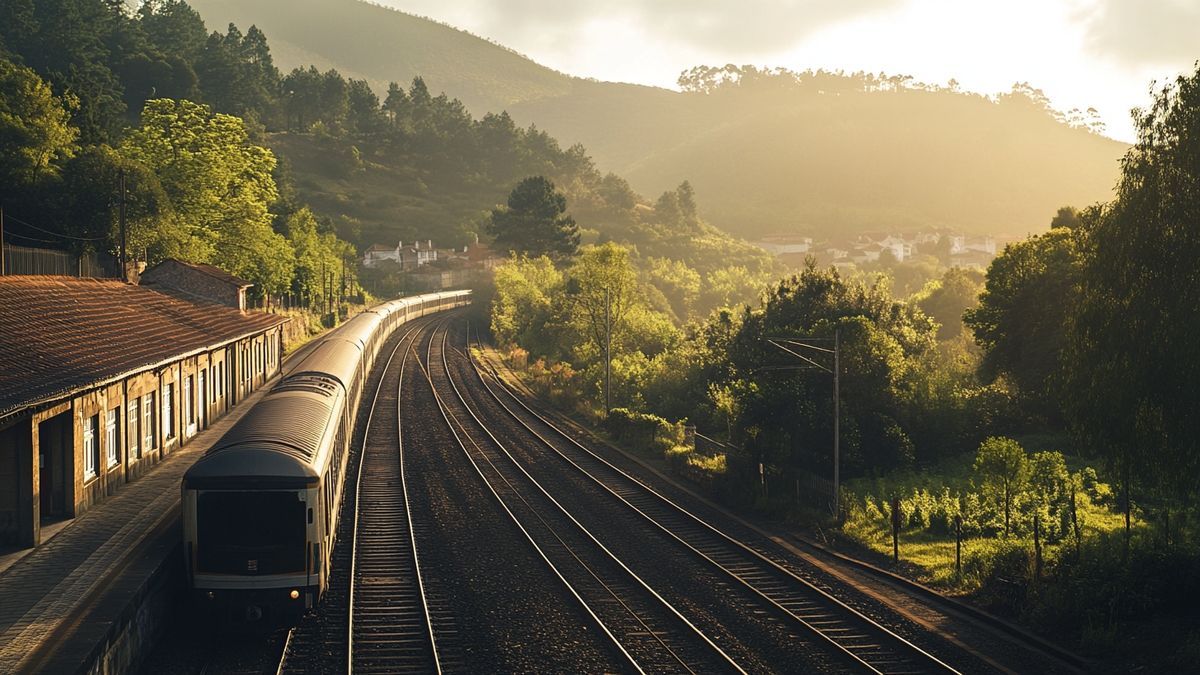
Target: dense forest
{"points": [[814, 153]]}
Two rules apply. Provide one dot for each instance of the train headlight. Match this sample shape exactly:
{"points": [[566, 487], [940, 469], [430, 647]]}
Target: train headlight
{"points": [[211, 595], [295, 594]]}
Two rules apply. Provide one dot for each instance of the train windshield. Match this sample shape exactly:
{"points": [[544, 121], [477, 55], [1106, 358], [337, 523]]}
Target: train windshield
{"points": [[253, 533]]}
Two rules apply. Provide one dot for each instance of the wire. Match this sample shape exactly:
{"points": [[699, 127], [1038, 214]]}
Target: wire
{"points": [[14, 235], [57, 234]]}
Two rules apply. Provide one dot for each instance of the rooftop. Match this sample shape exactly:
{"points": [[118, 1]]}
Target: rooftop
{"points": [[61, 334], [214, 272]]}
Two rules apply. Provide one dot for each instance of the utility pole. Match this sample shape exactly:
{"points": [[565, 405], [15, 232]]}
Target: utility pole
{"points": [[607, 354], [2, 270], [124, 260], [791, 345], [837, 418]]}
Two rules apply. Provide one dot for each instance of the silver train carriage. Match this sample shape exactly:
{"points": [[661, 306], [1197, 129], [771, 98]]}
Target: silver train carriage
{"points": [[260, 508]]}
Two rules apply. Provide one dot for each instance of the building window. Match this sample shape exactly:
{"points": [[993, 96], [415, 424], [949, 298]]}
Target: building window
{"points": [[189, 409], [168, 402], [212, 384], [131, 431], [112, 436], [148, 421], [91, 447]]}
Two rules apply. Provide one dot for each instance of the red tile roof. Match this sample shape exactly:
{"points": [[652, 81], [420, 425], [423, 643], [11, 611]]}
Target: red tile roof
{"points": [[61, 334], [216, 273]]}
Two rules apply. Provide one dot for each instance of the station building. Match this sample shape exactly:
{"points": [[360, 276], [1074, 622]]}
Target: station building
{"points": [[101, 379]]}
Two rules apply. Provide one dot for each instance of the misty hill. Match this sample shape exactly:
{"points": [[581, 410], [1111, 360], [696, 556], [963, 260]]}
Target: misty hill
{"points": [[370, 42], [771, 152]]}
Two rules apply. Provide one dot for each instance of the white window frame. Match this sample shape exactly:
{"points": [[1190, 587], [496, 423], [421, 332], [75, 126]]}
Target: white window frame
{"points": [[189, 405], [91, 448], [133, 415], [168, 410], [112, 437], [148, 421]]}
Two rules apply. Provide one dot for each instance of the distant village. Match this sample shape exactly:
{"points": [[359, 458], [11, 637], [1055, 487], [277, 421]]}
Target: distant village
{"points": [[950, 248], [419, 266]]}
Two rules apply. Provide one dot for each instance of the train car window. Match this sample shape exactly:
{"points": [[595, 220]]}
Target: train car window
{"points": [[310, 520], [250, 532]]}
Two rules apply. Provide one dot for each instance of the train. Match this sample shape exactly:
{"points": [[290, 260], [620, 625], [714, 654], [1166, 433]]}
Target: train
{"points": [[260, 507]]}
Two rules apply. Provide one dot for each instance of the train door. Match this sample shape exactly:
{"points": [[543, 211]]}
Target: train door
{"points": [[56, 467]]}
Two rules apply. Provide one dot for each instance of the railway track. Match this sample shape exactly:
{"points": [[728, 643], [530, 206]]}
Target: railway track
{"points": [[651, 633], [857, 639], [389, 625]]}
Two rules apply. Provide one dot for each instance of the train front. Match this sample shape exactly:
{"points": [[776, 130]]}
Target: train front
{"points": [[249, 533]]}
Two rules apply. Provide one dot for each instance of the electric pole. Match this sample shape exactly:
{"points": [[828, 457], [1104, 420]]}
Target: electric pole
{"points": [[837, 419], [791, 345], [2, 269], [607, 354]]}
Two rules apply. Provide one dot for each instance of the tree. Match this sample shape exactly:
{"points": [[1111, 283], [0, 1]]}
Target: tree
{"points": [[1136, 359], [522, 310], [1023, 317], [220, 185], [535, 221], [604, 287], [880, 341], [363, 104], [35, 130], [946, 299], [1001, 470], [88, 206]]}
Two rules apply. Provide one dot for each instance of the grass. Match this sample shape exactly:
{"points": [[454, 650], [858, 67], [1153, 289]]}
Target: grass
{"points": [[928, 502]]}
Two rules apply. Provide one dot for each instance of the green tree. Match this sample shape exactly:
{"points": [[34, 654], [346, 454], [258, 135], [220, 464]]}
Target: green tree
{"points": [[535, 221], [678, 282], [946, 299], [88, 205], [1136, 359], [36, 135], [603, 284], [1001, 472], [220, 185], [523, 310], [881, 340], [1024, 312]]}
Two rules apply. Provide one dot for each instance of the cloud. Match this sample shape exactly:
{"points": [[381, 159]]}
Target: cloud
{"points": [[736, 29], [1145, 32]]}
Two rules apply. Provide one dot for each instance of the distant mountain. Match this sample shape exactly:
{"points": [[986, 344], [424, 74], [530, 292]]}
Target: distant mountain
{"points": [[821, 156]]}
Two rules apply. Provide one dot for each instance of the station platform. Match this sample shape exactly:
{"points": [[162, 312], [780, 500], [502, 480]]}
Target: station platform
{"points": [[59, 601]]}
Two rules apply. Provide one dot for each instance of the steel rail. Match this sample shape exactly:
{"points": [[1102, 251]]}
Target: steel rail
{"points": [[826, 634], [451, 420], [640, 582]]}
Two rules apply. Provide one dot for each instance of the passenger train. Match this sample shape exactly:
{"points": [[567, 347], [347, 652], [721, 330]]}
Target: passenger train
{"points": [[260, 508]]}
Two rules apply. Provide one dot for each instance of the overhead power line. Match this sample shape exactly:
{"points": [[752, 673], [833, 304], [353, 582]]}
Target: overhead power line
{"points": [[57, 234]]}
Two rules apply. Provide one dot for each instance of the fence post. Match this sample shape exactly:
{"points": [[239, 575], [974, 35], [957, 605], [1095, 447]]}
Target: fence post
{"points": [[958, 546], [895, 529]]}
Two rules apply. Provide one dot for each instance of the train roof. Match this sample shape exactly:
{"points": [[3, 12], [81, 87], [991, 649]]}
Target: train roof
{"points": [[254, 466], [360, 328], [335, 356], [279, 439]]}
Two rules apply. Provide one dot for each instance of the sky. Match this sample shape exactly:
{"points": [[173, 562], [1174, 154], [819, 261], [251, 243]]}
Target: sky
{"points": [[1081, 53]]}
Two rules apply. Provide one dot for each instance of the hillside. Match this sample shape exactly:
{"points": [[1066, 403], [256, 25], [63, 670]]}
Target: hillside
{"points": [[837, 156], [378, 44]]}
